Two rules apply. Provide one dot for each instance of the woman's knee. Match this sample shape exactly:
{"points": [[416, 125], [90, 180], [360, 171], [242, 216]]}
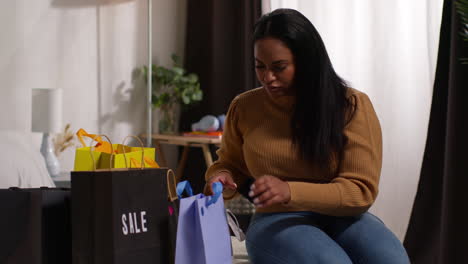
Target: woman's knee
{"points": [[368, 240], [282, 254], [291, 240], [379, 254]]}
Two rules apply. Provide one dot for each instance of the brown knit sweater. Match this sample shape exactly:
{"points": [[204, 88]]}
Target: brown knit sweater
{"points": [[257, 142]]}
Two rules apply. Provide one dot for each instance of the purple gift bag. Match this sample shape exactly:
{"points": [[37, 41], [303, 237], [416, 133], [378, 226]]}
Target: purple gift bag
{"points": [[202, 234]]}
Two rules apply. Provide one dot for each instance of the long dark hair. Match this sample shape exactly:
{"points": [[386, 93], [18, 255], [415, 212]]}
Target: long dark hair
{"points": [[321, 105]]}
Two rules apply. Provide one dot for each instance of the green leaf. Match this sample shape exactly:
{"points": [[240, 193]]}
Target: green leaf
{"points": [[157, 102], [178, 71], [192, 78], [185, 99], [175, 59], [197, 96], [154, 98], [159, 71]]}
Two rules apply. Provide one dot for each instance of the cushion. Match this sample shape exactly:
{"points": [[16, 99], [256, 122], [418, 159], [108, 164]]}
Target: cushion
{"points": [[21, 163]]}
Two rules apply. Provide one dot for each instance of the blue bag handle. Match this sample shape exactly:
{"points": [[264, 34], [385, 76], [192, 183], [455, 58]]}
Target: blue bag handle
{"points": [[218, 190], [184, 186]]}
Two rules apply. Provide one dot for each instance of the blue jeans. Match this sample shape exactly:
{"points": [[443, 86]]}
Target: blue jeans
{"points": [[307, 237]]}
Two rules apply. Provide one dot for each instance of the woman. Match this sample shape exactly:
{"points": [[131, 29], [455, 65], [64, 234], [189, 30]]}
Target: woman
{"points": [[312, 147]]}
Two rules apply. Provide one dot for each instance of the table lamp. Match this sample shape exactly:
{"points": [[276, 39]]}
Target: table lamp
{"points": [[47, 119]]}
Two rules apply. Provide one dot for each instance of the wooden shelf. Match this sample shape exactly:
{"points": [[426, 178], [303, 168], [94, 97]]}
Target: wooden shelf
{"points": [[186, 142]]}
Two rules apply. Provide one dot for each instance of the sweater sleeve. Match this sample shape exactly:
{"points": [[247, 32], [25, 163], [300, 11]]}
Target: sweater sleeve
{"points": [[230, 154], [355, 187]]}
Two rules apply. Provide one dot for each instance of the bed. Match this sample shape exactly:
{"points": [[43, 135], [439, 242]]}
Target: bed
{"points": [[21, 163]]}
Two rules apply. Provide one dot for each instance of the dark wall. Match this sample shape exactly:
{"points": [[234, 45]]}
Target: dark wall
{"points": [[219, 49]]}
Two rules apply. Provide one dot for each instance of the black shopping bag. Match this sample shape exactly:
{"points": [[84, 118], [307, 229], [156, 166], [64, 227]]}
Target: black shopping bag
{"points": [[36, 226], [121, 216]]}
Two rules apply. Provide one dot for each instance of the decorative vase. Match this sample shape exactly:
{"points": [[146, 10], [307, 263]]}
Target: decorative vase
{"points": [[169, 119], [47, 151]]}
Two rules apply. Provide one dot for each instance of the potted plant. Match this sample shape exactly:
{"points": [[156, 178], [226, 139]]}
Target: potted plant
{"points": [[173, 88]]}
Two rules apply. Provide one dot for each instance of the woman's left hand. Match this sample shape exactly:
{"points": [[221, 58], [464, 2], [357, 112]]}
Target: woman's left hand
{"points": [[269, 190]]}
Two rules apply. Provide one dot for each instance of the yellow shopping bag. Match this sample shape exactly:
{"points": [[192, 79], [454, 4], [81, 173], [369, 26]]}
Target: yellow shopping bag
{"points": [[127, 157], [105, 155]]}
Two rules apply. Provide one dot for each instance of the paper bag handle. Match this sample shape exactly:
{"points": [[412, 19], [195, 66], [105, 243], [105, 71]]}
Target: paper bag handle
{"points": [[142, 150], [234, 225], [95, 138], [171, 185], [101, 146], [218, 190], [184, 186], [82, 133]]}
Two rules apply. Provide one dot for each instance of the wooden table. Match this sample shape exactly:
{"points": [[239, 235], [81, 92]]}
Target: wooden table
{"points": [[187, 142]]}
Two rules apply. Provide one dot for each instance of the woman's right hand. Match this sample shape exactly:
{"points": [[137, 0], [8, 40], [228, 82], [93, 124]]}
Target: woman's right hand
{"points": [[223, 177]]}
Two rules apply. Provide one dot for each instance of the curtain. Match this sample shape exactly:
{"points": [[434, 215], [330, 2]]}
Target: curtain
{"points": [[219, 49], [438, 230], [386, 49]]}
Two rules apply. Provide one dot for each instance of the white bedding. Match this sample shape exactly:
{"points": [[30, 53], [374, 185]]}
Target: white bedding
{"points": [[21, 163]]}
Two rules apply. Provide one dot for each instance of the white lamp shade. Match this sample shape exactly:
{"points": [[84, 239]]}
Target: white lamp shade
{"points": [[46, 110]]}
